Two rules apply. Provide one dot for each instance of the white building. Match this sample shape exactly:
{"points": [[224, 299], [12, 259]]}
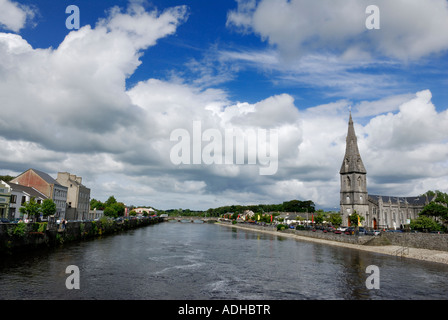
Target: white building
{"points": [[21, 195], [5, 194]]}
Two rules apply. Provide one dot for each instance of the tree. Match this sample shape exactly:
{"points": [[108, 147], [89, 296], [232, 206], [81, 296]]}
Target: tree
{"points": [[424, 223], [114, 210], [110, 201], [298, 206], [320, 216], [6, 178], [109, 212], [48, 207], [96, 204], [355, 218], [335, 219], [435, 210], [31, 208]]}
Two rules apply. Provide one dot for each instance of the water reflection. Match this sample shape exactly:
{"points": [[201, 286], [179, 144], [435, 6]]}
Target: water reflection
{"points": [[203, 261]]}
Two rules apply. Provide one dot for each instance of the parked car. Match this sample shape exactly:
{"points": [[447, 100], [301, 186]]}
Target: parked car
{"points": [[342, 228], [372, 232], [4, 220], [337, 231], [349, 231]]}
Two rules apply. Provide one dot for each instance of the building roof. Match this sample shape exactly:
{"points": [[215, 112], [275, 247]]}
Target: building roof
{"points": [[30, 190], [352, 159], [46, 177], [420, 200]]}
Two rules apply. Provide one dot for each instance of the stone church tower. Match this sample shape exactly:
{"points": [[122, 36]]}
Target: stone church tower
{"points": [[353, 174]]}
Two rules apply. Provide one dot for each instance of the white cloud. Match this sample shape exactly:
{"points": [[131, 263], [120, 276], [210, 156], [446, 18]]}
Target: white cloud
{"points": [[409, 29], [68, 109], [14, 16], [76, 92]]}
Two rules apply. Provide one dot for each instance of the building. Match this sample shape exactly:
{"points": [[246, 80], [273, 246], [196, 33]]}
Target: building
{"points": [[148, 211], [47, 185], [5, 195], [21, 195], [78, 196], [95, 214], [378, 211], [394, 212], [353, 194]]}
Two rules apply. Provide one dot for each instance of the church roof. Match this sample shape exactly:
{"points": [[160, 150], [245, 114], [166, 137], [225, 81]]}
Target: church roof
{"points": [[420, 200], [352, 159]]}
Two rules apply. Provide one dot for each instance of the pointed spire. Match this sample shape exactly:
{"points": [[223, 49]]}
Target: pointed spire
{"points": [[352, 159]]}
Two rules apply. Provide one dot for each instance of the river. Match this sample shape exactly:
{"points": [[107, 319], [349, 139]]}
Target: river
{"points": [[189, 261]]}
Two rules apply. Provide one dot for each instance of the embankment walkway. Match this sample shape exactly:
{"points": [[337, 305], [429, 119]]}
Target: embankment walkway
{"points": [[438, 256]]}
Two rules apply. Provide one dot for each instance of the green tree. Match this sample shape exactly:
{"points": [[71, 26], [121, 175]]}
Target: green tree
{"points": [[48, 207], [6, 178], [354, 218], [335, 219], [96, 204], [424, 223], [110, 201], [31, 208], [435, 210], [109, 212], [320, 216], [298, 206]]}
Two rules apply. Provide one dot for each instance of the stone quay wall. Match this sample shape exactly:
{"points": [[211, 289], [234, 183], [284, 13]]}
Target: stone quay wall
{"points": [[16, 237], [430, 241]]}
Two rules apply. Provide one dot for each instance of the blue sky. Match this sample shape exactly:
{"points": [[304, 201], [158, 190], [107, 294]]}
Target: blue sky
{"points": [[102, 104], [205, 33]]}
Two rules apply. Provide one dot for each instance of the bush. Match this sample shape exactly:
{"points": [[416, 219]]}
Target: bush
{"points": [[20, 229], [281, 227]]}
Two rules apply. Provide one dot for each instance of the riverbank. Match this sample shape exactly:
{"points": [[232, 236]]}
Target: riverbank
{"points": [[393, 250]]}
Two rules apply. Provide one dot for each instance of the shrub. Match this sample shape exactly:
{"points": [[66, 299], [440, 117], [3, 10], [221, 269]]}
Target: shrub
{"points": [[19, 229], [281, 227]]}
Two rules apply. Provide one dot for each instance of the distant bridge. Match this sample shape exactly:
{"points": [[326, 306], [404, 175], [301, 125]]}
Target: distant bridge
{"points": [[192, 219]]}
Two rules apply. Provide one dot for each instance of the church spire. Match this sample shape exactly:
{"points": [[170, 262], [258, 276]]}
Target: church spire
{"points": [[352, 159]]}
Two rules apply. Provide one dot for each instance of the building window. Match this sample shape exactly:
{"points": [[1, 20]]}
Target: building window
{"points": [[13, 198], [23, 200]]}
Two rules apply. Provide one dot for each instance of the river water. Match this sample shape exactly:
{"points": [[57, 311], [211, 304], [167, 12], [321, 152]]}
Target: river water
{"points": [[189, 261]]}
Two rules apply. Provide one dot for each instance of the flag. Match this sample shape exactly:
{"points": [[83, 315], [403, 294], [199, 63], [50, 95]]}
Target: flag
{"points": [[312, 218], [359, 222], [271, 218]]}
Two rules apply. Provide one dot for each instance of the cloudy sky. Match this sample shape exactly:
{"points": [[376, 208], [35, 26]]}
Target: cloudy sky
{"points": [[103, 101]]}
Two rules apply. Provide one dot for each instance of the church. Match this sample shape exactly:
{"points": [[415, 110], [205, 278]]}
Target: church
{"points": [[389, 212]]}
